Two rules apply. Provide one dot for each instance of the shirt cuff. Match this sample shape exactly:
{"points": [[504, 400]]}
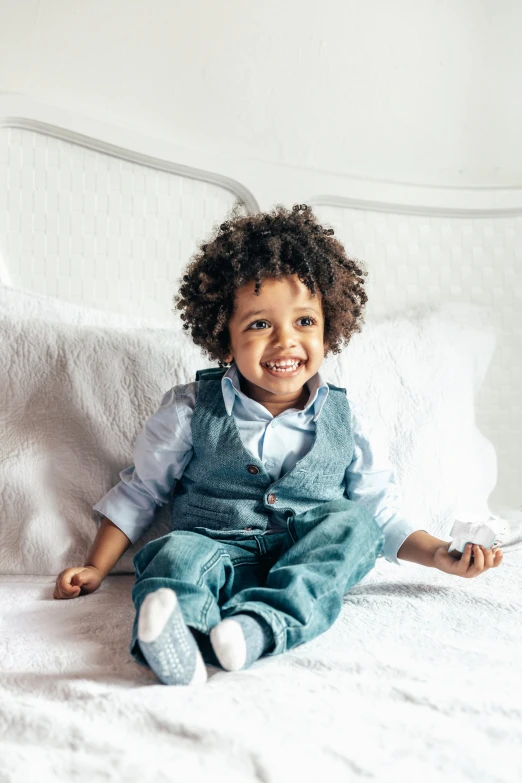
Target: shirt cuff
{"points": [[119, 505], [395, 534]]}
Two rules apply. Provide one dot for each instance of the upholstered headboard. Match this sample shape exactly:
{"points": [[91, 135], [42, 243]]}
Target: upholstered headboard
{"points": [[106, 218]]}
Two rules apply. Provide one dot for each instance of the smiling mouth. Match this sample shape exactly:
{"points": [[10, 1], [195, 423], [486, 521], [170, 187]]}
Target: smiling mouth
{"points": [[285, 368]]}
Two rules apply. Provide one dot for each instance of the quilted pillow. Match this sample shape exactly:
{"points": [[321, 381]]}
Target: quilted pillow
{"points": [[28, 304], [416, 377]]}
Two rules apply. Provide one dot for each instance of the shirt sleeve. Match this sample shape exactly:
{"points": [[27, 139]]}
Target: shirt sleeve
{"points": [[370, 480], [162, 451]]}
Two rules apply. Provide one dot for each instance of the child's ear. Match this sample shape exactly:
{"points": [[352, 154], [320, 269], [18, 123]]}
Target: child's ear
{"points": [[228, 358]]}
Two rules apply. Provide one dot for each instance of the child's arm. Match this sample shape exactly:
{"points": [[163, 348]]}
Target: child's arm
{"points": [[420, 547], [107, 548], [427, 550], [162, 450]]}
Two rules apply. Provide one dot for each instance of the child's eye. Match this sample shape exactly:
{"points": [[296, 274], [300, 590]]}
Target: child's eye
{"points": [[254, 324]]}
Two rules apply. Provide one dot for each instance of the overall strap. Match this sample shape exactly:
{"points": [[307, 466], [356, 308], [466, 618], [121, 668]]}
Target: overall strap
{"points": [[335, 388], [211, 373]]}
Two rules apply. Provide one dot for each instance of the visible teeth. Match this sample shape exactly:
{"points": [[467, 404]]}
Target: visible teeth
{"points": [[284, 366]]}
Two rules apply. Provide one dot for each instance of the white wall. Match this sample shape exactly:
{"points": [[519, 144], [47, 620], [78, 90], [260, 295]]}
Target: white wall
{"points": [[413, 90]]}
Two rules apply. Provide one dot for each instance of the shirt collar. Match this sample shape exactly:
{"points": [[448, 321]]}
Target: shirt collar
{"points": [[230, 387]]}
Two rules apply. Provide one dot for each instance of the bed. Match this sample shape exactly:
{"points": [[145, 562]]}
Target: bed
{"points": [[420, 676]]}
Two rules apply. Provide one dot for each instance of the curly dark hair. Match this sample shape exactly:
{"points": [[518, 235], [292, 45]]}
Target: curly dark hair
{"points": [[249, 248]]}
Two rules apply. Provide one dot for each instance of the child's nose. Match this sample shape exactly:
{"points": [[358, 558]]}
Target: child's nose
{"points": [[285, 335]]}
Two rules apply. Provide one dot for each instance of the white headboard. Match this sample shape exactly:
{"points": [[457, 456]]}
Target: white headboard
{"points": [[99, 228], [107, 218]]}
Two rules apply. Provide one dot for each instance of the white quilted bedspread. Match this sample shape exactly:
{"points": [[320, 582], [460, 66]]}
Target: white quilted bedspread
{"points": [[419, 679]]}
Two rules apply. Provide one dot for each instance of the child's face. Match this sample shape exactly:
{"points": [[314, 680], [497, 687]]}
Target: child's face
{"points": [[284, 322]]}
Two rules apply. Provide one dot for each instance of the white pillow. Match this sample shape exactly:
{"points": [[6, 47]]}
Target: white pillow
{"points": [[29, 304], [417, 378], [73, 399]]}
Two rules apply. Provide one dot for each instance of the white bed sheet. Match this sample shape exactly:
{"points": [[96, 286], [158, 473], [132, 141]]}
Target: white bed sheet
{"points": [[419, 678]]}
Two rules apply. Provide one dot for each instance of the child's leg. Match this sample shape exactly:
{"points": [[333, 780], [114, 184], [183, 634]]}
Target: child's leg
{"points": [[166, 642], [180, 579], [179, 561], [330, 549]]}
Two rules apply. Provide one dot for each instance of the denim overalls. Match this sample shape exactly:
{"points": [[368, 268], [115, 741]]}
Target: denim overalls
{"points": [[217, 557]]}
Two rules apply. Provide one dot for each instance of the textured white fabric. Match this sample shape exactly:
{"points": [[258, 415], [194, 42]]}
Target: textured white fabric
{"points": [[94, 228], [32, 305], [72, 400], [418, 679], [418, 375]]}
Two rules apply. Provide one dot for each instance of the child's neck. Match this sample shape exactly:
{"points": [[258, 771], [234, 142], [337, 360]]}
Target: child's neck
{"points": [[270, 401]]}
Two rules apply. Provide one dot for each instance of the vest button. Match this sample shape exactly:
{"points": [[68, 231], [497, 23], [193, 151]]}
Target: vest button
{"points": [[253, 469], [271, 499]]}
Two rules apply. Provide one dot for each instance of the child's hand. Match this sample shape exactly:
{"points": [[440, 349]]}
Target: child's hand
{"points": [[73, 581], [462, 565]]}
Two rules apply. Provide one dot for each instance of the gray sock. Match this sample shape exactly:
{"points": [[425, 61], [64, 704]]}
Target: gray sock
{"points": [[240, 640], [166, 641]]}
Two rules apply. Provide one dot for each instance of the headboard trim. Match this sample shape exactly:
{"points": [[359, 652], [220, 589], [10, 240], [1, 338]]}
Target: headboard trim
{"points": [[237, 188]]}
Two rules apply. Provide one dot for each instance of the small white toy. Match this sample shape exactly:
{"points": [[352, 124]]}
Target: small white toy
{"points": [[477, 530]]}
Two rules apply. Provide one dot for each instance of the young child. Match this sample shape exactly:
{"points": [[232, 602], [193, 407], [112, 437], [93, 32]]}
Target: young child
{"points": [[280, 502]]}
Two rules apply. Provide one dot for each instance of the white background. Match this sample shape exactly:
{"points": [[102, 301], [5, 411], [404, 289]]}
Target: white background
{"points": [[425, 91]]}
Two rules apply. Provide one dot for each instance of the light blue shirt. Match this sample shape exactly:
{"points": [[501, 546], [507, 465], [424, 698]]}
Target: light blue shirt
{"points": [[164, 448]]}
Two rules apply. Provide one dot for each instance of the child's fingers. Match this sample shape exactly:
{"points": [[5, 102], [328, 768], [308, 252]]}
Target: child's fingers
{"points": [[64, 588], [65, 591], [487, 557], [467, 567], [491, 557], [497, 557], [68, 591], [465, 560], [478, 557], [475, 559], [85, 578]]}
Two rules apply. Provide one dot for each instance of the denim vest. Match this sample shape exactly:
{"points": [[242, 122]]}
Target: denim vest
{"points": [[226, 489]]}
